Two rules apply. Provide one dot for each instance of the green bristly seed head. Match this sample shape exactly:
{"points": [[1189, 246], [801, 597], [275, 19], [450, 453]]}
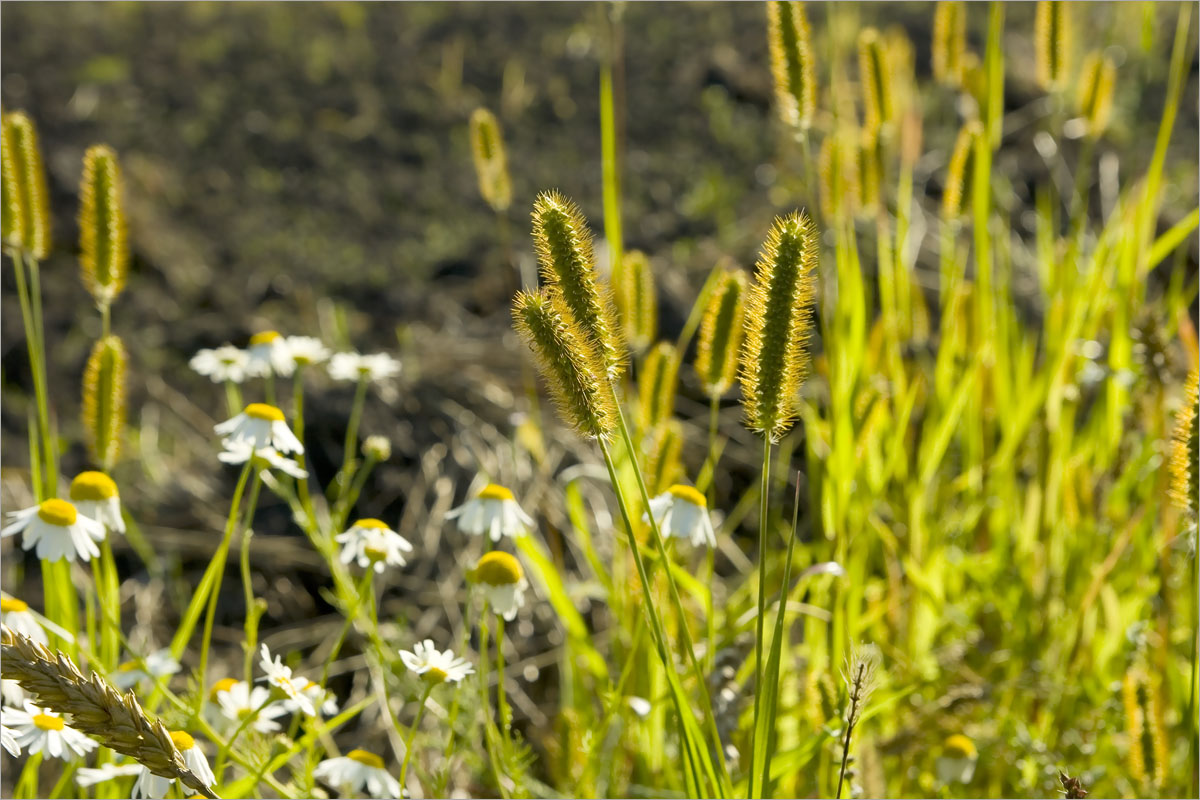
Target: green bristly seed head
{"points": [[564, 246], [1185, 448], [662, 462], [792, 63], [838, 167], [33, 198], [568, 361], [778, 324], [875, 76], [1052, 43], [656, 385], [104, 400], [104, 249], [949, 41], [870, 171], [1096, 82], [491, 161], [958, 171], [636, 300], [12, 222], [721, 333]]}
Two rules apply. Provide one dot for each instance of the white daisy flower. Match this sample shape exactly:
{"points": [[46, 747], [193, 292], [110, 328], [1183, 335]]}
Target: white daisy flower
{"points": [[281, 678], [435, 666], [682, 512], [493, 511], [307, 350], [239, 700], [12, 693], [57, 530], [357, 769], [156, 787], [159, 664], [372, 542], [90, 776], [260, 425], [353, 367], [17, 615], [239, 452], [226, 363], [8, 740], [95, 495], [503, 582], [322, 700], [40, 730], [269, 353]]}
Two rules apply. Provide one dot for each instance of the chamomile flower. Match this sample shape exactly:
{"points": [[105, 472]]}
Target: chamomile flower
{"points": [[95, 495], [503, 582], [493, 511], [12, 692], [307, 350], [226, 363], [682, 512], [239, 700], [956, 764], [268, 458], [159, 664], [156, 787], [17, 615], [322, 700], [268, 354], [355, 367], [355, 770], [8, 740], [260, 425], [435, 666], [281, 678], [372, 543], [40, 730], [90, 776], [57, 529]]}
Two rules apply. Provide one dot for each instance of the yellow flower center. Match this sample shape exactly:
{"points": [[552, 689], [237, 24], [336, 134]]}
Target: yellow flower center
{"points": [[183, 740], [363, 757], [494, 491], [47, 722], [8, 604], [264, 411], [223, 685], [434, 675], [128, 666], [57, 512], [263, 337], [497, 568], [959, 746], [93, 485], [372, 524], [688, 493]]}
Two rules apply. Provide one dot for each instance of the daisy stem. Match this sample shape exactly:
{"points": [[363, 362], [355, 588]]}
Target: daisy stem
{"points": [[350, 447], [347, 501], [45, 488], [269, 387], [110, 604], [233, 398], [252, 612], [501, 700], [27, 782], [364, 586], [763, 509], [49, 447], [298, 427], [488, 727], [412, 734]]}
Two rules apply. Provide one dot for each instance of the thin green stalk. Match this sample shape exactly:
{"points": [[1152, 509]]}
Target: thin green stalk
{"points": [[349, 449], [764, 493], [250, 627], [269, 388], [412, 734], [608, 148], [298, 427], [364, 586], [43, 489], [110, 602], [501, 701], [485, 697], [233, 398], [350, 497], [49, 447]]}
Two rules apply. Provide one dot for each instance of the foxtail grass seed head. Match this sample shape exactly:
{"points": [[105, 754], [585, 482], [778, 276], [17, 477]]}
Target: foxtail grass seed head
{"points": [[636, 300], [870, 171], [838, 166], [875, 77], [958, 171], [949, 41], [1096, 81], [792, 62], [104, 400], [568, 360], [721, 332], [33, 196], [103, 246], [663, 465], [564, 246], [656, 385], [1052, 43], [12, 222], [1135, 725], [778, 325], [1185, 448], [491, 160], [902, 65]]}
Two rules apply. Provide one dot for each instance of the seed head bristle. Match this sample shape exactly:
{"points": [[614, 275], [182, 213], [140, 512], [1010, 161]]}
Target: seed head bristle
{"points": [[949, 41], [33, 196], [875, 77], [491, 159], [1096, 82], [568, 361], [958, 171], [1185, 455], [870, 171], [1134, 724], [1052, 43], [662, 461], [104, 400], [778, 325], [12, 221], [838, 167], [564, 246], [636, 300], [656, 385], [902, 65], [792, 62], [103, 245], [721, 332]]}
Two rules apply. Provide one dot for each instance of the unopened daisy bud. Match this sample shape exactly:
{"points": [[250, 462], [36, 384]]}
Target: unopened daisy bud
{"points": [[958, 170], [491, 161], [1185, 448], [875, 75], [663, 460], [778, 324], [104, 400], [1096, 81], [503, 581], [568, 361], [792, 62], [12, 223], [949, 41], [721, 333], [1052, 43], [564, 246], [656, 385], [636, 300], [34, 197], [377, 448], [103, 247]]}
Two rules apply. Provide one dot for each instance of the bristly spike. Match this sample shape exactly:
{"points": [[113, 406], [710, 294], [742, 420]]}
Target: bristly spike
{"points": [[1052, 43], [721, 331], [564, 246], [491, 160], [12, 218], [792, 62], [838, 172], [875, 76], [958, 171], [104, 400], [1097, 78], [568, 361], [662, 462], [656, 385], [636, 300], [103, 244], [949, 41], [1185, 449], [778, 325], [34, 197], [870, 171]]}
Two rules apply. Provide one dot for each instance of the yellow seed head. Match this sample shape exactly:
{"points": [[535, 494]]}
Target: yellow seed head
{"points": [[656, 385], [792, 62], [497, 568], [12, 222], [1096, 81], [721, 333], [104, 400], [875, 76], [8, 604], [1134, 725], [778, 324], [33, 196], [494, 491], [949, 41], [1185, 454], [662, 462], [568, 361], [636, 299], [368, 759], [958, 171], [103, 246], [93, 486], [902, 67], [838, 164], [1052, 43], [491, 161], [870, 171], [564, 246], [1157, 729]]}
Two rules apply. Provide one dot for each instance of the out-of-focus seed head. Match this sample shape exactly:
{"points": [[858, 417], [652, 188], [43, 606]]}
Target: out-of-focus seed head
{"points": [[33, 198], [104, 400], [636, 300], [12, 222], [1052, 43], [721, 331], [958, 171], [875, 77], [1185, 448], [656, 385], [949, 41], [870, 171], [792, 62], [491, 160], [838, 167], [663, 461], [103, 245], [1097, 79]]}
